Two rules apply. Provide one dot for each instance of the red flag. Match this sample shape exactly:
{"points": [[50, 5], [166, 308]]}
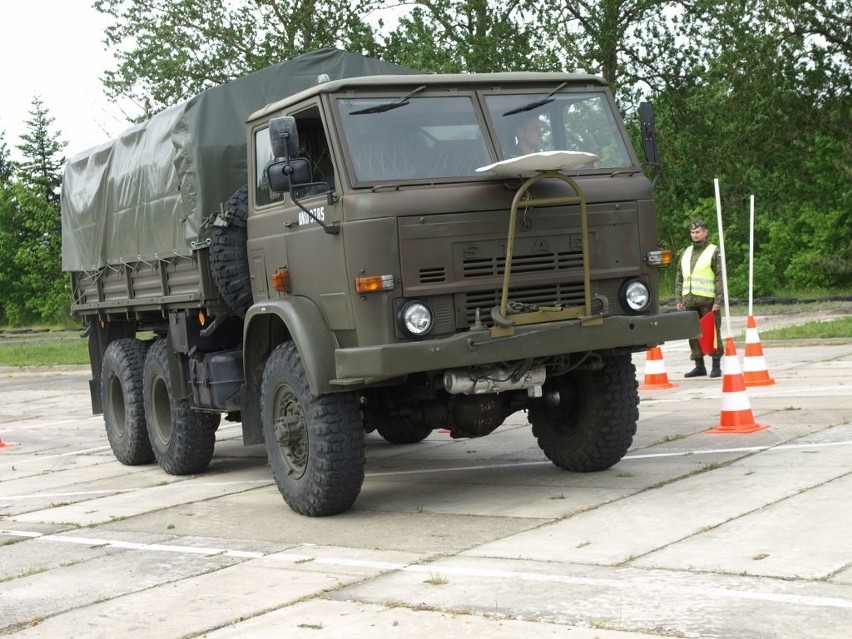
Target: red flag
{"points": [[709, 340]]}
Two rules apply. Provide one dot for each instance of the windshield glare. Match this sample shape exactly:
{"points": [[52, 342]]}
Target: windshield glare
{"points": [[423, 138], [443, 137], [569, 122]]}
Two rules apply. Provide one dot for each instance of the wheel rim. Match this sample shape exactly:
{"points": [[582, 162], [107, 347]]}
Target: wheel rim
{"points": [[161, 410], [291, 431], [115, 403]]}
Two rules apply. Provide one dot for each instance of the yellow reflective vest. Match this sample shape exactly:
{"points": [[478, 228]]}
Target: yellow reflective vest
{"points": [[701, 281]]}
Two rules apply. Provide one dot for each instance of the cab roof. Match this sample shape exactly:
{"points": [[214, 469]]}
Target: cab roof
{"points": [[467, 80]]}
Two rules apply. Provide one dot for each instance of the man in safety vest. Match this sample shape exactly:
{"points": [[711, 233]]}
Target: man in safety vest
{"points": [[698, 287]]}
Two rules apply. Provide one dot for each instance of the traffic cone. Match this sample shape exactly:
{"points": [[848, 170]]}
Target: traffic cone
{"points": [[736, 417], [655, 371], [754, 365]]}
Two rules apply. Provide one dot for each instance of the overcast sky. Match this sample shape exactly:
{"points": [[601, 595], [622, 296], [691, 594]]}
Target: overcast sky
{"points": [[53, 49]]}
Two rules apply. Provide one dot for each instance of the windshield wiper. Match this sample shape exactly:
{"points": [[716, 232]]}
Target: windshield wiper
{"points": [[387, 106], [534, 105]]}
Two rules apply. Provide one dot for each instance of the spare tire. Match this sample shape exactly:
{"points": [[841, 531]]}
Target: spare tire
{"points": [[229, 257]]}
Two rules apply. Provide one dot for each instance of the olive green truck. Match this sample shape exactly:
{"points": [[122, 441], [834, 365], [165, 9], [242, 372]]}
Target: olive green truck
{"points": [[336, 246]]}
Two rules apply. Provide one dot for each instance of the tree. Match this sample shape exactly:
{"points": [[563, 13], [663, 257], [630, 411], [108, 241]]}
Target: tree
{"points": [[32, 285], [167, 52], [611, 38], [754, 93], [7, 168], [473, 36], [765, 109], [41, 168]]}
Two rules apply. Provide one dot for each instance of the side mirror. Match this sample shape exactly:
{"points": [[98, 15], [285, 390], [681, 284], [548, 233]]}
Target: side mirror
{"points": [[283, 136], [289, 173], [649, 134]]}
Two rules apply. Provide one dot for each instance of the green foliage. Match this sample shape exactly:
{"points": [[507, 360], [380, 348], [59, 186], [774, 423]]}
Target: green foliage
{"points": [[755, 94], [7, 167], [470, 36], [166, 52], [32, 285], [766, 112], [607, 37], [41, 169]]}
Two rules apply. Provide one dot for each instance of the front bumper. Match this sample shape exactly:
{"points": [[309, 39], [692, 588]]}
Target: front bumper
{"points": [[370, 364]]}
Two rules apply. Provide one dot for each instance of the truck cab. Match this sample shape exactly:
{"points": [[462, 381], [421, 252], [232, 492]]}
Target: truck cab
{"points": [[384, 265]]}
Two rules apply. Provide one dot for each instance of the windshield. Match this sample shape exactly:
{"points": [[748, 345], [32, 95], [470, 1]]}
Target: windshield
{"points": [[417, 137], [420, 138], [558, 122]]}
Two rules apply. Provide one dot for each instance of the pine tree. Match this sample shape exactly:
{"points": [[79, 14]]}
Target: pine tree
{"points": [[32, 285], [7, 169], [41, 169]]}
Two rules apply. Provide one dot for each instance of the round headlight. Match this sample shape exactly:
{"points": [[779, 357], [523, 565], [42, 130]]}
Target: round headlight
{"points": [[636, 296], [415, 318]]}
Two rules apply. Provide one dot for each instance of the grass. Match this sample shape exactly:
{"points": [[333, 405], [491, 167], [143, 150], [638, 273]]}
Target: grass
{"points": [[840, 327], [46, 350]]}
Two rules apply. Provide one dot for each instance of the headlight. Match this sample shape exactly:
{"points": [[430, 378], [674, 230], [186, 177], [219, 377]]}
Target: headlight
{"points": [[415, 318], [635, 296]]}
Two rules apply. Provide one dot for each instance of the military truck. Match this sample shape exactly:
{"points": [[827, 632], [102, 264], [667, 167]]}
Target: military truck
{"points": [[374, 253]]}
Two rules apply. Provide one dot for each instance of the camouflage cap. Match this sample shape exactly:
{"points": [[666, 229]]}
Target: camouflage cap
{"points": [[697, 223]]}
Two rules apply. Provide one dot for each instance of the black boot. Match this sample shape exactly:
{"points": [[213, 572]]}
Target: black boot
{"points": [[716, 371], [699, 370]]}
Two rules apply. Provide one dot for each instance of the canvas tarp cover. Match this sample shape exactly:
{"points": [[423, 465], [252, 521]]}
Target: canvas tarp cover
{"points": [[144, 195]]}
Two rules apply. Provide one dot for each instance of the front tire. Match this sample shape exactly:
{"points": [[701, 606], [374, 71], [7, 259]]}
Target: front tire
{"points": [[182, 439], [593, 426], [315, 442], [124, 403]]}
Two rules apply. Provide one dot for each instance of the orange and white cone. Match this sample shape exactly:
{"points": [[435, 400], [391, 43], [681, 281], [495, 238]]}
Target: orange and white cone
{"points": [[656, 377], [755, 372], [736, 417]]}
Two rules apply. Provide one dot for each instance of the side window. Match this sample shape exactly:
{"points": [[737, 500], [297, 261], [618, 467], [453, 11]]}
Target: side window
{"points": [[313, 145], [262, 158]]}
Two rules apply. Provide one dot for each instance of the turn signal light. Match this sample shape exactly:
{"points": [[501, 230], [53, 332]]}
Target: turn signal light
{"points": [[373, 283], [660, 257], [281, 280]]}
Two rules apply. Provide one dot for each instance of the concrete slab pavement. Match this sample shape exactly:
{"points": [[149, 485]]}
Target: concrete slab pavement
{"points": [[691, 535]]}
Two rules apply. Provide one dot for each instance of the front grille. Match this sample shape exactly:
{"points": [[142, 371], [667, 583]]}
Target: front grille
{"points": [[538, 263], [566, 294], [434, 275]]}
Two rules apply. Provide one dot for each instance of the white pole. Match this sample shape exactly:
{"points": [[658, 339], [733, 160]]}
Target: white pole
{"points": [[722, 253], [751, 256]]}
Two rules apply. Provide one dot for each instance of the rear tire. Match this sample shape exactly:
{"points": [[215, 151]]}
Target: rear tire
{"points": [[594, 424], [315, 442], [182, 439], [123, 402]]}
